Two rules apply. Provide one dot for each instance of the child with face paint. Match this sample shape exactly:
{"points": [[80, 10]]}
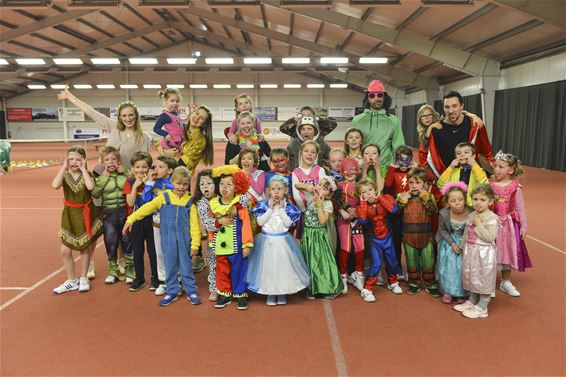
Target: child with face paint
{"points": [[350, 232], [279, 159], [335, 157]]}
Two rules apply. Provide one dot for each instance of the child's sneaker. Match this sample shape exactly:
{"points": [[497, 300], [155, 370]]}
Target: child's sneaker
{"points": [[508, 287], [380, 280], [281, 300], [67, 286], [213, 297], [359, 280], [136, 285], [90, 273], [367, 295], [460, 300], [395, 288], [475, 312], [463, 307], [194, 299], [344, 278], [331, 296], [168, 300], [84, 285], [198, 264], [271, 300], [154, 285], [222, 302], [413, 290], [402, 276], [309, 296], [242, 303], [110, 279], [434, 292], [129, 280], [446, 298], [161, 289]]}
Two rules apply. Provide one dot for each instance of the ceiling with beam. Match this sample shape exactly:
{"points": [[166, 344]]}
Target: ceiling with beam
{"points": [[428, 42]]}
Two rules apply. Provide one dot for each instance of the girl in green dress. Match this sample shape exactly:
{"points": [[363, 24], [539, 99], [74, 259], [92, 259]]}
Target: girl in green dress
{"points": [[315, 243]]}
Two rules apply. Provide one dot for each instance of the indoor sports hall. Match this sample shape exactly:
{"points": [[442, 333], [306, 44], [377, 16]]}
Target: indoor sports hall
{"points": [[70, 70]]}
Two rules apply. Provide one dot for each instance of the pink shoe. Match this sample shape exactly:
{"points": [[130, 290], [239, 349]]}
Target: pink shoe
{"points": [[460, 300], [213, 296], [447, 299]]}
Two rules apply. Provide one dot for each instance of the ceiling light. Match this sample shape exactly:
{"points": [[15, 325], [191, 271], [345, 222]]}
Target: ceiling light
{"points": [[175, 86], [291, 86], [74, 61], [152, 86], [143, 61], [128, 86], [338, 86], [334, 60], [315, 86], [245, 86], [181, 61], [257, 60], [26, 61], [373, 60], [4, 62], [296, 60], [219, 61], [58, 86], [198, 86], [82, 86], [105, 61], [36, 86], [268, 86], [221, 86], [105, 86]]}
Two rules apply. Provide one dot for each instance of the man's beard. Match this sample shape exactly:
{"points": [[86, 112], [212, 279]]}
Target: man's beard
{"points": [[376, 105]]}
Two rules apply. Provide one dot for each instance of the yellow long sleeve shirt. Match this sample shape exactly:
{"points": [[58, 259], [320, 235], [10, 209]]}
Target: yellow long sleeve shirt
{"points": [[477, 177], [154, 206]]}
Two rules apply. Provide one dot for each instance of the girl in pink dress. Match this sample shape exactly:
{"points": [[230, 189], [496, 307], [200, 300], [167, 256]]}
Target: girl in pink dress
{"points": [[510, 207]]}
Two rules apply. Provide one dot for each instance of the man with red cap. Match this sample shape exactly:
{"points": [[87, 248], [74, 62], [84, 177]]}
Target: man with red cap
{"points": [[378, 126]]}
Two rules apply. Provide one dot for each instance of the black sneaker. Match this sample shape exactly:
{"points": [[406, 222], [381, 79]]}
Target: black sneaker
{"points": [[154, 285], [413, 290], [136, 285], [242, 303], [434, 292], [222, 302]]}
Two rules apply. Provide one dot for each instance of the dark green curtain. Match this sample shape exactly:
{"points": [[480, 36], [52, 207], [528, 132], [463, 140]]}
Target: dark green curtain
{"points": [[409, 125], [471, 104], [530, 122]]}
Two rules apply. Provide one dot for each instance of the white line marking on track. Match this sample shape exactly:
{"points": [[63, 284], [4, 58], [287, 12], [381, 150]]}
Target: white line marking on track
{"points": [[335, 340], [34, 209], [547, 245], [13, 288], [39, 283]]}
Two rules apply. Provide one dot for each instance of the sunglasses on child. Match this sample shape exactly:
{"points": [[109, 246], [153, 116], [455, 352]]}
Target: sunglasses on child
{"points": [[378, 95]]}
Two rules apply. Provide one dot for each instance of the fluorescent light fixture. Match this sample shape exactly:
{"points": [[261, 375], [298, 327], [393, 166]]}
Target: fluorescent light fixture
{"points": [[315, 86], [221, 86], [338, 86], [82, 86], [291, 60], [198, 86], [268, 86], [291, 86], [181, 61], [373, 60], [105, 86], [152, 86], [257, 60], [36, 86], [245, 86], [58, 86], [333, 60], [175, 86], [26, 61], [74, 61], [219, 61], [4, 62], [104, 61], [143, 61], [128, 86]]}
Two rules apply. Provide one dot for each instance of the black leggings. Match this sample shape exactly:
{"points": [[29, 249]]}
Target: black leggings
{"points": [[114, 221]]}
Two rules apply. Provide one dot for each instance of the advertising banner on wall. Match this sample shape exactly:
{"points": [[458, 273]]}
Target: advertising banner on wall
{"points": [[342, 113], [149, 113], [86, 133], [73, 114], [44, 115], [19, 114], [265, 113], [272, 133]]}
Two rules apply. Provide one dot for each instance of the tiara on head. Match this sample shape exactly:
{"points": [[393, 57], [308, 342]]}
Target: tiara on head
{"points": [[501, 156], [279, 178]]}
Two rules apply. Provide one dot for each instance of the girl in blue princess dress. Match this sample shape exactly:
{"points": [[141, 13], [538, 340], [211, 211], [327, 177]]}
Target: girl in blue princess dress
{"points": [[276, 266]]}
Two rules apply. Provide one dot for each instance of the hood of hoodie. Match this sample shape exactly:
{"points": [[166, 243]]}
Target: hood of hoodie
{"points": [[315, 125]]}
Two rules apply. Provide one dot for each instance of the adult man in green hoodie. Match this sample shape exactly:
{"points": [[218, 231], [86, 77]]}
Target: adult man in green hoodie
{"points": [[378, 126]]}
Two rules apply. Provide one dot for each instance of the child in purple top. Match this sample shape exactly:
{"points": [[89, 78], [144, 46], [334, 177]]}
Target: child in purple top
{"points": [[169, 124], [242, 103]]}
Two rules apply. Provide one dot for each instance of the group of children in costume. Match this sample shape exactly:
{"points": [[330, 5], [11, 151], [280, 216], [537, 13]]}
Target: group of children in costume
{"points": [[329, 221]]}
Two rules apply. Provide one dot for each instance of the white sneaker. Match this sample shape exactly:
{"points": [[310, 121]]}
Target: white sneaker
{"points": [[67, 286], [380, 280], [90, 273], [395, 288], [84, 285], [493, 295], [475, 312], [160, 291], [367, 295], [129, 280], [463, 307], [110, 279], [508, 287], [359, 280], [344, 278]]}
